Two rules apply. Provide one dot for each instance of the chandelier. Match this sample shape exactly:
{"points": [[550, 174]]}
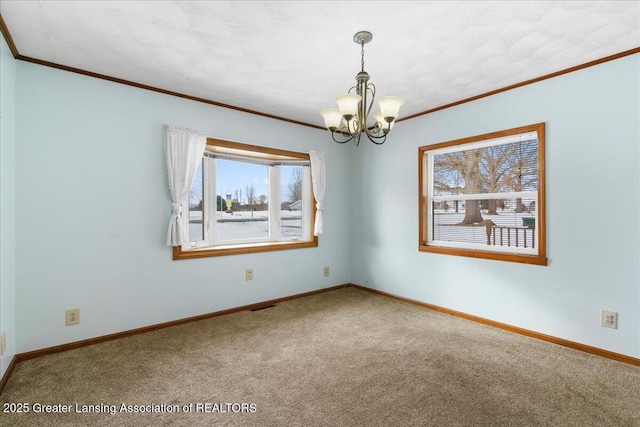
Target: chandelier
{"points": [[351, 119]]}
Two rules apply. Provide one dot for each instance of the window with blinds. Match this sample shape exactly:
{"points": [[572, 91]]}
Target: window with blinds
{"points": [[483, 196]]}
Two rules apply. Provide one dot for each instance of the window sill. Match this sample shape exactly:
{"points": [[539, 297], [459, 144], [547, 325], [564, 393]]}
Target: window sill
{"points": [[178, 253], [500, 256]]}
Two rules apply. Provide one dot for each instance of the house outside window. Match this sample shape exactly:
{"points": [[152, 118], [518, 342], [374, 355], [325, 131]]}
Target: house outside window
{"points": [[483, 196]]}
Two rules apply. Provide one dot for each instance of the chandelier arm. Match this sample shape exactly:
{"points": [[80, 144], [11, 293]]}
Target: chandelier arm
{"points": [[355, 131], [341, 142], [352, 132], [374, 138], [371, 88], [374, 131], [361, 90]]}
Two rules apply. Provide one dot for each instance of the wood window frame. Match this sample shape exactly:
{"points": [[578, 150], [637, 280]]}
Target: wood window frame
{"points": [[540, 258], [258, 152]]}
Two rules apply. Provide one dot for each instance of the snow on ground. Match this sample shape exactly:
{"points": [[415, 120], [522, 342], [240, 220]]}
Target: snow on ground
{"points": [[446, 228], [246, 225], [254, 224]]}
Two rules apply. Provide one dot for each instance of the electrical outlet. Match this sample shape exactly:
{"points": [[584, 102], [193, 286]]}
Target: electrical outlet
{"points": [[248, 274], [73, 316], [3, 343], [609, 319], [326, 272]]}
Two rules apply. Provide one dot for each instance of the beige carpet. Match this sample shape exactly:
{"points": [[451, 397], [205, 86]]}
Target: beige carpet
{"points": [[340, 358]]}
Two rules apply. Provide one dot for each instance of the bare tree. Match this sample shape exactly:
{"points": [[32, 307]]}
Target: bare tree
{"points": [[495, 167], [491, 169], [250, 190], [523, 168], [238, 196], [295, 185], [467, 165]]}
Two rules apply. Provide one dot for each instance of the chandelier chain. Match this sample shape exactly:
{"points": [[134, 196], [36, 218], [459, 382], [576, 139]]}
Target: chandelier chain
{"points": [[362, 55]]}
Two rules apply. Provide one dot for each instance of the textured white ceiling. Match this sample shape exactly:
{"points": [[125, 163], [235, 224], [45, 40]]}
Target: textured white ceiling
{"points": [[291, 59]]}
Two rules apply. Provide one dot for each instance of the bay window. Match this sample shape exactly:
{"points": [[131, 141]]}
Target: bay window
{"points": [[246, 199]]}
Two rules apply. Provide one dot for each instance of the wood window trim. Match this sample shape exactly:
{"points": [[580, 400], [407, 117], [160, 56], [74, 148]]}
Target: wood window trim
{"points": [[249, 248], [266, 152], [178, 253], [541, 257]]}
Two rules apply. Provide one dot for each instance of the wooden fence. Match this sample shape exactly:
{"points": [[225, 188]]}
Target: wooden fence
{"points": [[503, 235]]}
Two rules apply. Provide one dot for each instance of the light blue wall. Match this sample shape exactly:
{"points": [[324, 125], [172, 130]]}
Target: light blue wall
{"points": [[93, 208], [592, 121], [7, 202]]}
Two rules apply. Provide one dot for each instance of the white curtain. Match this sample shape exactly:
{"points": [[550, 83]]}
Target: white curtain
{"points": [[183, 149], [318, 180]]}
